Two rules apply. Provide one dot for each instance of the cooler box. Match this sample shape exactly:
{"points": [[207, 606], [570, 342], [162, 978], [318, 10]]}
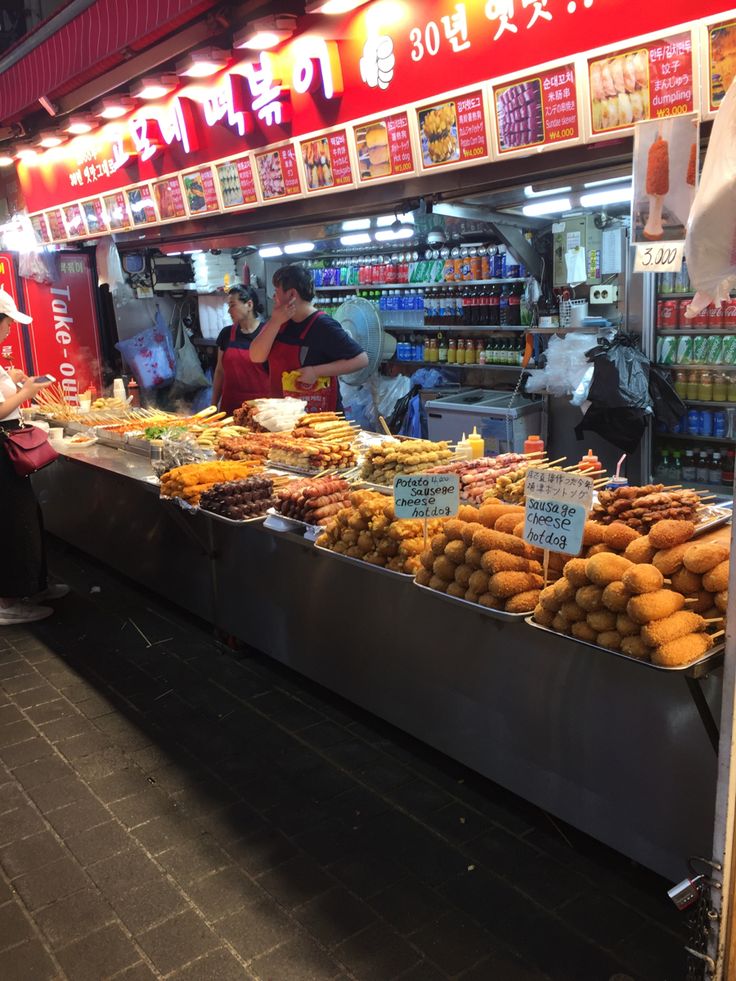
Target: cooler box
{"points": [[503, 429]]}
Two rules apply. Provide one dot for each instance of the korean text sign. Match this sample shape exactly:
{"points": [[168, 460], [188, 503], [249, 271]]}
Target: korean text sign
{"points": [[557, 506], [429, 495]]}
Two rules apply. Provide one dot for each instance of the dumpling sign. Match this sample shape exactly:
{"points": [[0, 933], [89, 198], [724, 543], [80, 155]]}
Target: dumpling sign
{"points": [[557, 506]]}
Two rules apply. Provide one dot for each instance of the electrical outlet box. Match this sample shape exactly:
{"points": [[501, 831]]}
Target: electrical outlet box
{"points": [[603, 294]]}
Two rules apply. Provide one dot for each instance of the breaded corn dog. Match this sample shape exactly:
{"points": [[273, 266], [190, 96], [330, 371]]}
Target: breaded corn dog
{"points": [[522, 602], [670, 628], [605, 568], [703, 556], [668, 533], [654, 606], [643, 579], [716, 579], [589, 597], [684, 650], [616, 597]]}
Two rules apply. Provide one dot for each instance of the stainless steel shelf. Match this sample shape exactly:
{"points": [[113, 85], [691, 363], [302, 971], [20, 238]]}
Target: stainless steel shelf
{"points": [[445, 364], [463, 329], [695, 439]]}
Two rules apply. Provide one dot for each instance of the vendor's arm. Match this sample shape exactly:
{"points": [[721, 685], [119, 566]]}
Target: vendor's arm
{"points": [[218, 377], [29, 390], [346, 366], [260, 346]]}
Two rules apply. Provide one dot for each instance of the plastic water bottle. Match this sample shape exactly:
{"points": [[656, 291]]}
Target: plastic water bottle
{"points": [[420, 308], [382, 312]]}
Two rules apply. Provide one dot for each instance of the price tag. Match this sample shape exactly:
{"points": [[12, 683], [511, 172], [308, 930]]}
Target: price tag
{"points": [[429, 495], [666, 257], [557, 506]]}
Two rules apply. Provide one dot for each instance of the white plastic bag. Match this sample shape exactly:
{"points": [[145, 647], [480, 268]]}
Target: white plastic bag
{"points": [[566, 365], [710, 244]]}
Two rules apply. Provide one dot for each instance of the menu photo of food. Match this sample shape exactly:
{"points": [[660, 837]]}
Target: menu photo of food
{"points": [[230, 186], [194, 190], [665, 177], [722, 62], [317, 164], [374, 159], [519, 114], [271, 175], [438, 128], [169, 198], [95, 216], [141, 205], [619, 90]]}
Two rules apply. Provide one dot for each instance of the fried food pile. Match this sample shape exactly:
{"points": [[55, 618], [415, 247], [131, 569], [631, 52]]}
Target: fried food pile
{"points": [[311, 454], [368, 529], [648, 596], [330, 427], [642, 507], [480, 557], [191, 480], [313, 501], [246, 446], [391, 457], [239, 499]]}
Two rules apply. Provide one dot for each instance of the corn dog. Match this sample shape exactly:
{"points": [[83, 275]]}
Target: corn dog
{"points": [[635, 647], [601, 620], [616, 597], [643, 579], [669, 560], [575, 572], [505, 584], [670, 628], [610, 639], [654, 606], [686, 582], [572, 612], [498, 561], [487, 539], [474, 556], [603, 569], [619, 536], [582, 631], [626, 626], [716, 579], [682, 651], [668, 533], [640, 550], [523, 602], [542, 616], [589, 597], [563, 590], [703, 556]]}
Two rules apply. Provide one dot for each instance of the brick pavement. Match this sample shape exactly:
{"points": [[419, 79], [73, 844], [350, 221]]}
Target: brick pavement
{"points": [[171, 810]]}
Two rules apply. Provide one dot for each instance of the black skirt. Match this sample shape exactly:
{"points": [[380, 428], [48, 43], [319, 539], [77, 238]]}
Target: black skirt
{"points": [[23, 566]]}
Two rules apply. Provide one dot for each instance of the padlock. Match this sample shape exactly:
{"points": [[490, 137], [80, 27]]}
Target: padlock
{"points": [[687, 892]]}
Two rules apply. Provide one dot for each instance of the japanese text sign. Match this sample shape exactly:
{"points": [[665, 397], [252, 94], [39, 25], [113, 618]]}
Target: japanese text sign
{"points": [[557, 505], [429, 495], [537, 111], [454, 131], [326, 162]]}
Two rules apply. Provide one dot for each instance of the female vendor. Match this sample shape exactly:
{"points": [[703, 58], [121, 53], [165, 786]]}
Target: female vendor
{"points": [[306, 350], [23, 584], [237, 378]]}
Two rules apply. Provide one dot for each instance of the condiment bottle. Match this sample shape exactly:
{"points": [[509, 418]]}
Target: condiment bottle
{"points": [[464, 449], [476, 441], [692, 384], [134, 394], [702, 472], [705, 386], [727, 468], [534, 444], [590, 462]]}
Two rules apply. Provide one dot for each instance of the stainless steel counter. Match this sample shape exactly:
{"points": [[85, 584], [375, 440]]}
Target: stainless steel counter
{"points": [[615, 749]]}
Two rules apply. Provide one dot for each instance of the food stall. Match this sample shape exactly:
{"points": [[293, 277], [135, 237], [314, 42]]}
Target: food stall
{"points": [[616, 745]]}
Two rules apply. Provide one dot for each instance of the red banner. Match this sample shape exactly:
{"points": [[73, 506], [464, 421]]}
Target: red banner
{"points": [[12, 351], [64, 335], [386, 55]]}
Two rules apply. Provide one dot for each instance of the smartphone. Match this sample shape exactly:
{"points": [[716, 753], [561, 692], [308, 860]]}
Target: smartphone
{"points": [[44, 378]]}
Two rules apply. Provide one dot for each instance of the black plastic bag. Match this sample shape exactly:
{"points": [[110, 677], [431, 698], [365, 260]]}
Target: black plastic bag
{"points": [[623, 427], [668, 406], [621, 374], [396, 419]]}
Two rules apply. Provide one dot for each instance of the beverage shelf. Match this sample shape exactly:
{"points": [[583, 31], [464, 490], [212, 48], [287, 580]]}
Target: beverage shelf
{"points": [[446, 364], [463, 329], [697, 367], [684, 295], [709, 405], [367, 287], [696, 439], [716, 331]]}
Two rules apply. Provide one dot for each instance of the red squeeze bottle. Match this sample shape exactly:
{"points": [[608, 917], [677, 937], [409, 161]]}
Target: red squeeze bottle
{"points": [[590, 462], [534, 444]]}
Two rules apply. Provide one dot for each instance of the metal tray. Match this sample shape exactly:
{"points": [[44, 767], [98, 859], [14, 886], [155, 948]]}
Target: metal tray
{"points": [[364, 565], [193, 508], [274, 518], [367, 485], [332, 472], [696, 669], [476, 607], [715, 517]]}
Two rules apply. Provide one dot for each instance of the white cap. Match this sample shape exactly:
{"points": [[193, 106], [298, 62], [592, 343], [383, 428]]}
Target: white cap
{"points": [[9, 309]]}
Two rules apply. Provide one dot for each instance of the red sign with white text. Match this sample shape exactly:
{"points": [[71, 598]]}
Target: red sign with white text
{"points": [[64, 336], [12, 352], [648, 81], [237, 184], [453, 131], [277, 173], [539, 110], [385, 55]]}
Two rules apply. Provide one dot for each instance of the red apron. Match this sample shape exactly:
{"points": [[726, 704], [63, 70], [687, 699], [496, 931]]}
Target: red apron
{"points": [[243, 378], [284, 358]]}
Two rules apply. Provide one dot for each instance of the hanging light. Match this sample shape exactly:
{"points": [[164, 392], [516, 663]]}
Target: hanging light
{"points": [[270, 252], [114, 106], [265, 32], [360, 238], [78, 125], [551, 207], [613, 195], [333, 6], [6, 160], [154, 86], [26, 153], [295, 247], [356, 224], [50, 139], [203, 62], [390, 234]]}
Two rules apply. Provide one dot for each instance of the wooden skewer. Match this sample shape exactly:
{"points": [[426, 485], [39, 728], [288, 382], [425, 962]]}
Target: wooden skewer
{"points": [[715, 620], [719, 633], [692, 599]]}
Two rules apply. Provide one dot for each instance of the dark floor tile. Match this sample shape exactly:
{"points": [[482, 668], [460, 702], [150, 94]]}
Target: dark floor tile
{"points": [[25, 752], [424, 971], [256, 929], [218, 965], [16, 732], [15, 927], [138, 972], [454, 943], [177, 941], [73, 917], [548, 882], [565, 956], [40, 715], [88, 743], [35, 696], [77, 817], [143, 906], [262, 851], [654, 953], [43, 771], [18, 823], [30, 853], [505, 966], [12, 795], [52, 882], [458, 822], [194, 859], [367, 875], [503, 853], [420, 797], [98, 955], [117, 875], [139, 808], [296, 882], [26, 962], [377, 953], [334, 916], [409, 905], [602, 919], [123, 783], [58, 793], [223, 892], [297, 960], [98, 843], [232, 822], [324, 734], [353, 754], [70, 724], [166, 832]]}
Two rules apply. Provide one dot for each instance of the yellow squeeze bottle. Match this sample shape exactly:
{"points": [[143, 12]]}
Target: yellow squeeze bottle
{"points": [[477, 443]]}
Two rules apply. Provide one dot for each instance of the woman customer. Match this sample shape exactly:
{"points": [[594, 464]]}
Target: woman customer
{"points": [[23, 583], [237, 378], [299, 340]]}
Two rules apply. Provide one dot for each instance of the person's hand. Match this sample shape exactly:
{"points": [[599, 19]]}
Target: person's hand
{"points": [[18, 376], [31, 388], [307, 377], [283, 311]]}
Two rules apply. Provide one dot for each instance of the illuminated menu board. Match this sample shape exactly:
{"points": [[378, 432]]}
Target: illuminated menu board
{"points": [[384, 148], [237, 185], [74, 220], [140, 201], [200, 192], [117, 211], [170, 199], [453, 131], [41, 228], [278, 175], [55, 221], [95, 215], [537, 111], [326, 162]]}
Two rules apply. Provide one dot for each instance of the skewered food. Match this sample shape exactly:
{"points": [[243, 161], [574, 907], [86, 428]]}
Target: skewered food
{"points": [[313, 501], [654, 606], [716, 579], [311, 454], [389, 458], [244, 445], [701, 557], [643, 507], [239, 499], [618, 536], [640, 550], [635, 647], [669, 560], [668, 533], [606, 567], [670, 628], [684, 650], [189, 481], [643, 579], [616, 597], [330, 427]]}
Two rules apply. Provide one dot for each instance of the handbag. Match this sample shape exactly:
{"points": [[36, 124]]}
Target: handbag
{"points": [[28, 449], [189, 374]]}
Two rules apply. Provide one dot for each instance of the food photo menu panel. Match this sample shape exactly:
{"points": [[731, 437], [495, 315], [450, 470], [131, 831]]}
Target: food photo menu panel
{"points": [[117, 211], [326, 162], [278, 174], [237, 184], [453, 131], [199, 188], [538, 110], [383, 147], [169, 198]]}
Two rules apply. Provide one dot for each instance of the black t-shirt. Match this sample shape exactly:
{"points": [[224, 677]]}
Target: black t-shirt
{"points": [[326, 341], [242, 340]]}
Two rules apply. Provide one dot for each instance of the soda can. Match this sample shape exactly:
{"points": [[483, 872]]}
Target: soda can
{"points": [[513, 271], [705, 424], [729, 349], [716, 314], [713, 349], [666, 283], [475, 267], [693, 422], [669, 315], [729, 313], [658, 355], [700, 319], [448, 271], [700, 349], [683, 351], [682, 279], [719, 425], [669, 350], [682, 306], [485, 267]]}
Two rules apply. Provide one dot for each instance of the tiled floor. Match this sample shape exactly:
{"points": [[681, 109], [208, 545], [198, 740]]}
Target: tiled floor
{"points": [[171, 810]]}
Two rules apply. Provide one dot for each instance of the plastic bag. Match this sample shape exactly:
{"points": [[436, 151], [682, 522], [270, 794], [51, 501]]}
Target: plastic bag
{"points": [[31, 265], [150, 355], [567, 365], [378, 396], [189, 374], [109, 267], [668, 406], [710, 243]]}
